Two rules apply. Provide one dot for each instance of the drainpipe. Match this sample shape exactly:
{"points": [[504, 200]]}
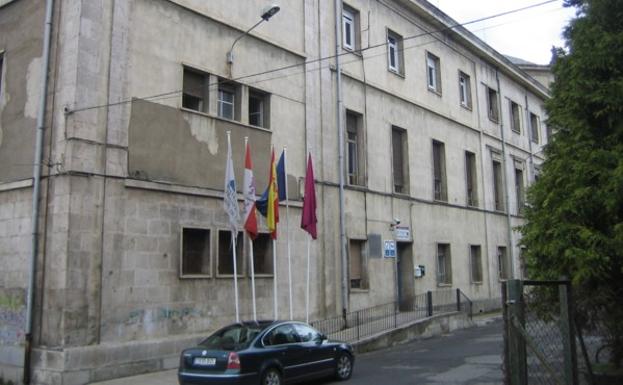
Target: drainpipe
{"points": [[340, 133], [505, 179], [36, 191]]}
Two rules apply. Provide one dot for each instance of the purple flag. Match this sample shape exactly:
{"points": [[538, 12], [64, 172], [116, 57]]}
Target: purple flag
{"points": [[308, 219]]}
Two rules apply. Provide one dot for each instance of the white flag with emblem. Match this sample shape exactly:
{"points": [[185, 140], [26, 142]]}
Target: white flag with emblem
{"points": [[230, 202]]}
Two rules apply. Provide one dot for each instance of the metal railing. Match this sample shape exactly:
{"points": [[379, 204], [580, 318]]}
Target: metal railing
{"points": [[363, 323]]}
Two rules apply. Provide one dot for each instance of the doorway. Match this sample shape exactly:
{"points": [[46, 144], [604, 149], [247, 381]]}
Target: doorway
{"points": [[405, 276]]}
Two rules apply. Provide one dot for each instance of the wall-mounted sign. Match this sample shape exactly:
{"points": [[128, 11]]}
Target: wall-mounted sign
{"points": [[402, 233], [390, 249]]}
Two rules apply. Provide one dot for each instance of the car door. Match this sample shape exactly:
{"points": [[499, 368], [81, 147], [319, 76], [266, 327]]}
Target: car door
{"points": [[320, 356], [283, 344]]}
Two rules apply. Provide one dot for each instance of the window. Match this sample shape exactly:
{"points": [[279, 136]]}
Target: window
{"points": [[465, 90], [357, 265], [433, 72], [258, 109], [519, 190], [226, 101], [440, 190], [399, 160], [394, 52], [515, 114], [306, 333], [354, 149], [444, 264], [492, 105], [262, 254], [475, 261], [350, 22], [225, 256], [195, 90], [502, 263], [195, 258], [534, 127], [284, 334], [470, 179], [498, 191]]}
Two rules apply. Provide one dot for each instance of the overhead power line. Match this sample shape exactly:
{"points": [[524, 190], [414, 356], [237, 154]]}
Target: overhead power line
{"points": [[171, 94]]}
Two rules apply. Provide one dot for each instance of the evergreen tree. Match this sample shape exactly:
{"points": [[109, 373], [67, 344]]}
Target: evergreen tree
{"points": [[575, 215]]}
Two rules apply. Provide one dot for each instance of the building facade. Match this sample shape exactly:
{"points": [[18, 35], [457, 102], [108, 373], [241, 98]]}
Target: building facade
{"points": [[423, 139]]}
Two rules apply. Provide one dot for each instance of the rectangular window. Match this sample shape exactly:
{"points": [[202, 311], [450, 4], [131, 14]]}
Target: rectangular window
{"points": [[475, 263], [354, 149], [262, 254], [357, 264], [465, 90], [440, 190], [258, 109], [470, 179], [534, 127], [498, 189], [515, 116], [433, 72], [519, 190], [444, 264], [226, 101], [502, 263], [195, 252], [394, 52], [1, 63], [350, 21], [195, 90], [399, 160], [225, 255], [492, 105]]}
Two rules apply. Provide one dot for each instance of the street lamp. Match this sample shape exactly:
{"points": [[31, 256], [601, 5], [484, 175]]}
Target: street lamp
{"points": [[267, 13]]}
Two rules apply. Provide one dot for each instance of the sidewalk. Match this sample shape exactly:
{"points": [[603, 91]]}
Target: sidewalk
{"points": [[169, 377]]}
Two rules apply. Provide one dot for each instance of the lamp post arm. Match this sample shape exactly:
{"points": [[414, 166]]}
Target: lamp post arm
{"points": [[230, 53]]}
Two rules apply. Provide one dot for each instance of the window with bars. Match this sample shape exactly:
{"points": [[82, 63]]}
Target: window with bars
{"points": [[440, 190]]}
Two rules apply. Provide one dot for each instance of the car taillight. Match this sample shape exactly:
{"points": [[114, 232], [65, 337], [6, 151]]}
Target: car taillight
{"points": [[233, 361]]}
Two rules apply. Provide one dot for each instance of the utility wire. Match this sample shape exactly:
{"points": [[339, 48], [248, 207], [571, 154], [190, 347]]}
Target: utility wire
{"points": [[171, 94]]}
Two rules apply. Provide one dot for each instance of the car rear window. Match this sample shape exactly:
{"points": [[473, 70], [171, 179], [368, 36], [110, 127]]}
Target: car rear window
{"points": [[234, 337]]}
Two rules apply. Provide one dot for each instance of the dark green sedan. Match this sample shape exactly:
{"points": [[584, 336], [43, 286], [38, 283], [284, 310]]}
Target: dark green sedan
{"points": [[265, 353]]}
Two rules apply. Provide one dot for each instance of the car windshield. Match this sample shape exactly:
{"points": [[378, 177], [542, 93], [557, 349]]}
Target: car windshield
{"points": [[234, 337]]}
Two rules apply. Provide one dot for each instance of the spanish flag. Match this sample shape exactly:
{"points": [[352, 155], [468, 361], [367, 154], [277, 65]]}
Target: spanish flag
{"points": [[272, 215]]}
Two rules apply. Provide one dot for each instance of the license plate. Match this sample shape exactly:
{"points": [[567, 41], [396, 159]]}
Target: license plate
{"points": [[204, 361]]}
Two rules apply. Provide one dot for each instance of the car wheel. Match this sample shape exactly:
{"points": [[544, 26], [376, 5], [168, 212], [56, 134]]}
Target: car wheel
{"points": [[344, 367], [271, 377]]}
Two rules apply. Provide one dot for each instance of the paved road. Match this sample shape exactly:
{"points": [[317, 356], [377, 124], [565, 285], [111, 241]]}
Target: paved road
{"points": [[467, 357]]}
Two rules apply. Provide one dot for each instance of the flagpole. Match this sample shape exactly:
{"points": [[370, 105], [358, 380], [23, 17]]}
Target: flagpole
{"points": [[285, 173], [307, 291], [251, 257], [233, 242], [275, 310]]}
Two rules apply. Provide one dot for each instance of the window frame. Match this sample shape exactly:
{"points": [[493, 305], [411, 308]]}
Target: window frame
{"points": [[394, 51], [498, 184], [350, 20], [439, 167], [503, 263], [515, 116], [471, 179], [404, 148], [465, 90], [433, 73], [264, 101], [520, 196], [472, 264], [355, 176], [222, 90], [202, 96], [193, 275], [269, 255], [534, 128], [493, 107], [363, 265], [446, 278]]}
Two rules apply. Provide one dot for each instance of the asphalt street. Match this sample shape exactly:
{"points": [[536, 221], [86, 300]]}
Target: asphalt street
{"points": [[467, 357]]}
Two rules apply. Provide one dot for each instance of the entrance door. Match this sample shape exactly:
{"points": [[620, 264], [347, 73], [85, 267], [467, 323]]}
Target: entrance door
{"points": [[405, 275]]}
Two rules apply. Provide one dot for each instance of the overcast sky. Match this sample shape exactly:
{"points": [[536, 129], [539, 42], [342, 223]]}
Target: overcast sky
{"points": [[528, 35]]}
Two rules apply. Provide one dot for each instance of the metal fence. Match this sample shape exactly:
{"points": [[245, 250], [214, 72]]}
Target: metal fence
{"points": [[366, 322]]}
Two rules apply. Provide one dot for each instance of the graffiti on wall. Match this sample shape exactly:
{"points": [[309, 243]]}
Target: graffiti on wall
{"points": [[12, 316]]}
